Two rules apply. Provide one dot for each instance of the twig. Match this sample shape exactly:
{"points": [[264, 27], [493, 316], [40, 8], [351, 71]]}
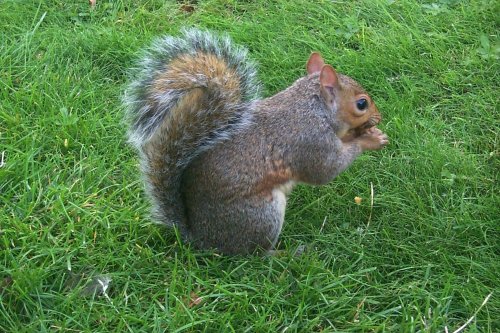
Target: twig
{"points": [[323, 225], [372, 194], [358, 310], [65, 329], [2, 163], [474, 315]]}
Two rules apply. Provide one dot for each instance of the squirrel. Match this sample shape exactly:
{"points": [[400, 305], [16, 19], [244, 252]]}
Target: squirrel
{"points": [[218, 161]]}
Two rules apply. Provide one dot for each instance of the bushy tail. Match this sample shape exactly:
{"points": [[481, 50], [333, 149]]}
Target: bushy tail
{"points": [[188, 94]]}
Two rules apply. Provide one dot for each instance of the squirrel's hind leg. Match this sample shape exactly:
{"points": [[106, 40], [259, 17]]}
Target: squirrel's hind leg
{"points": [[243, 226]]}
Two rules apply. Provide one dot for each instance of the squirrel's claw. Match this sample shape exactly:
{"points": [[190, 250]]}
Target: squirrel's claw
{"points": [[373, 139]]}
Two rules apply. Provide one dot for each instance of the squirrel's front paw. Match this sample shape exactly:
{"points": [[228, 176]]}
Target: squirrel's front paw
{"points": [[373, 139]]}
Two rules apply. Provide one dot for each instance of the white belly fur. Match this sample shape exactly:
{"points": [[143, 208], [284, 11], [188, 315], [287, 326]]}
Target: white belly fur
{"points": [[280, 194]]}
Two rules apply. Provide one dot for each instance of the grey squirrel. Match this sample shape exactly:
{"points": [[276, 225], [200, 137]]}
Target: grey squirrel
{"points": [[218, 161]]}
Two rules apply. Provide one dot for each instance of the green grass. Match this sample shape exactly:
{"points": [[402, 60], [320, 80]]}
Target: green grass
{"points": [[422, 259]]}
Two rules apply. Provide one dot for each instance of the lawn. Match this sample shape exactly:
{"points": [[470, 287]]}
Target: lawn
{"points": [[419, 253]]}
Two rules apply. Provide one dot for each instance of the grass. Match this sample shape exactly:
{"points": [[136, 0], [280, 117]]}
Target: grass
{"points": [[423, 258]]}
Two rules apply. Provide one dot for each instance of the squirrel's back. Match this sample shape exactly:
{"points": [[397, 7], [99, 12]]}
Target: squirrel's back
{"points": [[187, 94]]}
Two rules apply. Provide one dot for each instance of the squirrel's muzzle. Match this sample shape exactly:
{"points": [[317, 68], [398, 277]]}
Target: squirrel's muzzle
{"points": [[373, 121]]}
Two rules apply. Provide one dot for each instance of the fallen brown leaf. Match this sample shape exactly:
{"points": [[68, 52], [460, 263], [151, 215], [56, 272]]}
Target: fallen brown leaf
{"points": [[7, 281], [194, 300], [187, 8]]}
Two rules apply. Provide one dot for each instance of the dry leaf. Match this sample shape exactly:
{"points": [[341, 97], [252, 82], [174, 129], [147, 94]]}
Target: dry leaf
{"points": [[187, 8], [194, 299], [6, 282]]}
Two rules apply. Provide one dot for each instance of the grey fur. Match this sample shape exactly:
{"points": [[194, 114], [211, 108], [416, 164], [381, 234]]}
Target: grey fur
{"points": [[146, 111], [222, 176], [143, 119]]}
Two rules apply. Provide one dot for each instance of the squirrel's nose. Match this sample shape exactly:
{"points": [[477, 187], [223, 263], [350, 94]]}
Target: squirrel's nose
{"points": [[374, 120]]}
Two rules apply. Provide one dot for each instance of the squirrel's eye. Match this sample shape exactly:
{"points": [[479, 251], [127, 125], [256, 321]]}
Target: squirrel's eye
{"points": [[362, 104]]}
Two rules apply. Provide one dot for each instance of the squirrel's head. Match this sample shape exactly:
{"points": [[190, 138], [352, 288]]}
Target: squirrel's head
{"points": [[354, 109]]}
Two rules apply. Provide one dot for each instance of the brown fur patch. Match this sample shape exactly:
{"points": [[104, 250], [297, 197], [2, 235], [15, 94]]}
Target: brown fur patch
{"points": [[278, 175], [189, 71], [200, 76], [347, 108]]}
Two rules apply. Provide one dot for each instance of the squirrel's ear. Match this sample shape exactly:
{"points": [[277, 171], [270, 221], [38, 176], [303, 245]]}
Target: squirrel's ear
{"points": [[329, 83], [328, 77], [315, 63]]}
